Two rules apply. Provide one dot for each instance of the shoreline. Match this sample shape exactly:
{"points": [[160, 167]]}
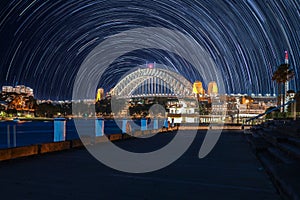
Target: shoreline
{"points": [[183, 124], [50, 147]]}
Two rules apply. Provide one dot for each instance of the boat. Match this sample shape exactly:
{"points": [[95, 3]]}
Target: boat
{"points": [[16, 119]]}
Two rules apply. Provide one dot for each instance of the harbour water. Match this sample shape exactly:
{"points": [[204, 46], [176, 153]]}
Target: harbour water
{"points": [[37, 132]]}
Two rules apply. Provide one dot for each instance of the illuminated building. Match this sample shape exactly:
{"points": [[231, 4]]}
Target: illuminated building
{"points": [[19, 99], [212, 89], [100, 94], [7, 89], [198, 88], [19, 89]]}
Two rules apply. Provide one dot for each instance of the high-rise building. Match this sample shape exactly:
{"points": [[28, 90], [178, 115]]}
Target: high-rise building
{"points": [[100, 94], [29, 91], [19, 89], [198, 88], [212, 89], [7, 89]]}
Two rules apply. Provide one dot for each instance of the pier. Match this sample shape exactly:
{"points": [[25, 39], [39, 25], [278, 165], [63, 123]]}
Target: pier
{"points": [[230, 171]]}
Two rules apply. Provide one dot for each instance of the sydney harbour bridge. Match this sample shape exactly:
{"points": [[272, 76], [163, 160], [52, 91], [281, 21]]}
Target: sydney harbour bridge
{"points": [[153, 82]]}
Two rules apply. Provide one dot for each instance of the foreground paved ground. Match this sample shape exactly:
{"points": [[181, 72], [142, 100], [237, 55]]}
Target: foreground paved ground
{"points": [[231, 171]]}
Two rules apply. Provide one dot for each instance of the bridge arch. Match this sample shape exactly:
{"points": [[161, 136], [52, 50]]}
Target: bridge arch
{"points": [[177, 83]]}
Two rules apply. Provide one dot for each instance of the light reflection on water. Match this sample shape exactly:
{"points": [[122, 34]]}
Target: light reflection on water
{"points": [[37, 132]]}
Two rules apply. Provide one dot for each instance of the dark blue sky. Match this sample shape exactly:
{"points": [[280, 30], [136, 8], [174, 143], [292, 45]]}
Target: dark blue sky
{"points": [[44, 42]]}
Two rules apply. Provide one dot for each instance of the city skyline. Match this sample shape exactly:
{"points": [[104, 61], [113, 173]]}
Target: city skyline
{"points": [[154, 99], [100, 94], [44, 43]]}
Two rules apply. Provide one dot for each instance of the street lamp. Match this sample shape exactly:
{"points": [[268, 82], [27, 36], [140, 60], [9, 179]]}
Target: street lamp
{"points": [[292, 96], [238, 113]]}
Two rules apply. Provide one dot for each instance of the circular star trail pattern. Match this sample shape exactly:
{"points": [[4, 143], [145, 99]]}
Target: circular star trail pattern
{"points": [[44, 42]]}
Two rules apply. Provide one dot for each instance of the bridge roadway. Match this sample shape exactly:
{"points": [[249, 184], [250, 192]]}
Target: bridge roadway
{"points": [[231, 171]]}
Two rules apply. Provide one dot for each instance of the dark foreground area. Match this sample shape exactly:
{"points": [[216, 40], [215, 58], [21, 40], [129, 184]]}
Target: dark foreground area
{"points": [[276, 144], [230, 171]]}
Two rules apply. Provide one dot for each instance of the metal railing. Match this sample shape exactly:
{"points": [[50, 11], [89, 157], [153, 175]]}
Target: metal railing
{"points": [[284, 115]]}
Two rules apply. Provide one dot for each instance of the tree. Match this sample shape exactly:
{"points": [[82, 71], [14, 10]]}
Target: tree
{"points": [[31, 103], [283, 74], [47, 110]]}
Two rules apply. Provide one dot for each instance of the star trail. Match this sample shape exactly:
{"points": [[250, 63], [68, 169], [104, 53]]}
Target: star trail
{"points": [[44, 42]]}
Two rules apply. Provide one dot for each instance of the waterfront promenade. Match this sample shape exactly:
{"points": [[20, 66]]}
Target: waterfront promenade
{"points": [[230, 171]]}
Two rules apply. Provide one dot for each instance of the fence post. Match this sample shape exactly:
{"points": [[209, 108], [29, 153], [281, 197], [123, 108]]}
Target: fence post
{"points": [[124, 125], [99, 127], [8, 136], [155, 124], [59, 129], [15, 135], [144, 124], [166, 123]]}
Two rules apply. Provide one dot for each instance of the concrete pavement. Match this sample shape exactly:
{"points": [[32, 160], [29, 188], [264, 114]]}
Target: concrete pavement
{"points": [[230, 171]]}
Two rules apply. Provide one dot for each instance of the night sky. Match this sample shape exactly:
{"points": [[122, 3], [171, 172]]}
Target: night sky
{"points": [[44, 42]]}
